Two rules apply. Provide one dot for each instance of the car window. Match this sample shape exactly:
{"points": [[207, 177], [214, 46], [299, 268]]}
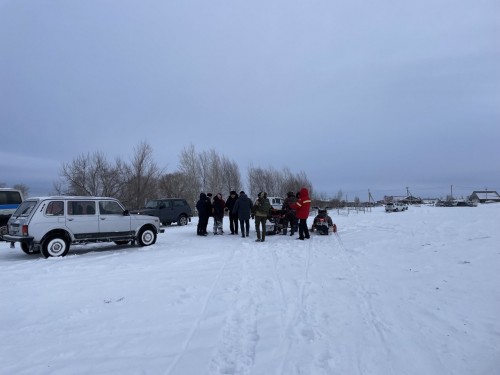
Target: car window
{"points": [[77, 208], [152, 204], [25, 208], [55, 208], [178, 203], [110, 208], [10, 197]]}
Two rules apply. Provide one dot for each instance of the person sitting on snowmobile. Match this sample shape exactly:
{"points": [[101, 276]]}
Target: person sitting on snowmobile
{"points": [[322, 222]]}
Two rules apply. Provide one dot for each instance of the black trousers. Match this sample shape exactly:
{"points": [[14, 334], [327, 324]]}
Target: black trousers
{"points": [[292, 220], [303, 230], [233, 223], [202, 225], [245, 223]]}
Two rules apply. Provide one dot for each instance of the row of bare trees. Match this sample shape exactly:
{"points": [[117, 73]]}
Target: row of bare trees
{"points": [[142, 178]]}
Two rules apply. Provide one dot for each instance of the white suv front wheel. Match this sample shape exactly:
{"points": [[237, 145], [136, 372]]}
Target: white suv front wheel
{"points": [[55, 246], [146, 237]]}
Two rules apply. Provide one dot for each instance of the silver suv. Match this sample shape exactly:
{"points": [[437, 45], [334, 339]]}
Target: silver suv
{"points": [[50, 225]]}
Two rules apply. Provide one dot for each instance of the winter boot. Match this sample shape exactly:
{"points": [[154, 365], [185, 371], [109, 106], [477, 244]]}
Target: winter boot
{"points": [[284, 231]]}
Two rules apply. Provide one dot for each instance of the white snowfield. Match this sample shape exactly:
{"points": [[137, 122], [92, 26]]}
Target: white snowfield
{"points": [[413, 292]]}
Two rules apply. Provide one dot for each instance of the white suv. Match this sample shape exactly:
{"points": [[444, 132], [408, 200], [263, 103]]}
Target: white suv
{"points": [[395, 207], [276, 202], [50, 225]]}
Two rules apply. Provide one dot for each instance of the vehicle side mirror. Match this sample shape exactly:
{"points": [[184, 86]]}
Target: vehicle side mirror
{"points": [[126, 213], [162, 205]]}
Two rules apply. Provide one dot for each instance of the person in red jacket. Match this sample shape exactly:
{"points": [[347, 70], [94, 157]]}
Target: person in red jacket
{"points": [[302, 207]]}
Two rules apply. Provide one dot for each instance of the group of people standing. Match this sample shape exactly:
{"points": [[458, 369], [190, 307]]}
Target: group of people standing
{"points": [[240, 209]]}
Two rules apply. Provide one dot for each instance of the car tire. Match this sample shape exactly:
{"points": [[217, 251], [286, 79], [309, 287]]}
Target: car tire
{"points": [[55, 246], [183, 220], [147, 237], [26, 249]]}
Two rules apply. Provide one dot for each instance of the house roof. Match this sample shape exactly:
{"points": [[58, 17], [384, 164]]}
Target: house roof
{"points": [[486, 194]]}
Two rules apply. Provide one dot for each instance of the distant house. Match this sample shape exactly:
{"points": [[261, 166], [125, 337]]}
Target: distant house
{"points": [[412, 200], [483, 196], [408, 199]]}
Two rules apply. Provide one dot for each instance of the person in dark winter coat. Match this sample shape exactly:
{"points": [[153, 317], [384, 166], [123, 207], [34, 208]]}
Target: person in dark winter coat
{"points": [[204, 208], [243, 208], [209, 196], [233, 218], [261, 210], [302, 208], [218, 213], [290, 217]]}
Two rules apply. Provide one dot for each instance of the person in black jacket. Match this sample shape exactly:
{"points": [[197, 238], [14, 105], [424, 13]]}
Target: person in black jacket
{"points": [[290, 217], [233, 217], [204, 208], [243, 208], [218, 213]]}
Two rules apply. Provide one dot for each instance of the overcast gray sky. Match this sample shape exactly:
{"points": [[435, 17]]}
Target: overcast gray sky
{"points": [[359, 95]]}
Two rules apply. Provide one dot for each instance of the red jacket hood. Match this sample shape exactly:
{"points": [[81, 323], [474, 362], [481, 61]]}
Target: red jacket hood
{"points": [[304, 193]]}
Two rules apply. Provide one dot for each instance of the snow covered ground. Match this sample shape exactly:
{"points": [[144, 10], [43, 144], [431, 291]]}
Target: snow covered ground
{"points": [[413, 292]]}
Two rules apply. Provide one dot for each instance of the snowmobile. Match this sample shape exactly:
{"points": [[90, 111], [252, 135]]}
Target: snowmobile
{"points": [[276, 221], [323, 223]]}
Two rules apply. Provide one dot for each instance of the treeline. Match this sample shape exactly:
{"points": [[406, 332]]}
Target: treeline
{"points": [[142, 178]]}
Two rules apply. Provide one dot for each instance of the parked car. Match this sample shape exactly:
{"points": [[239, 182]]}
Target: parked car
{"points": [[10, 199], [50, 225], [395, 207], [168, 210], [276, 202]]}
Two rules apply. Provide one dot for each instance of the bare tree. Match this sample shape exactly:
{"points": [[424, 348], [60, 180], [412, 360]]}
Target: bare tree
{"points": [[90, 174], [189, 166], [175, 185], [24, 189], [276, 183], [142, 176], [231, 174], [215, 178], [257, 180], [204, 171]]}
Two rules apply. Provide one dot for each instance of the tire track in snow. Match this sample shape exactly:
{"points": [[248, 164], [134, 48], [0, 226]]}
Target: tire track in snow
{"points": [[202, 314], [287, 339], [236, 348], [367, 311]]}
